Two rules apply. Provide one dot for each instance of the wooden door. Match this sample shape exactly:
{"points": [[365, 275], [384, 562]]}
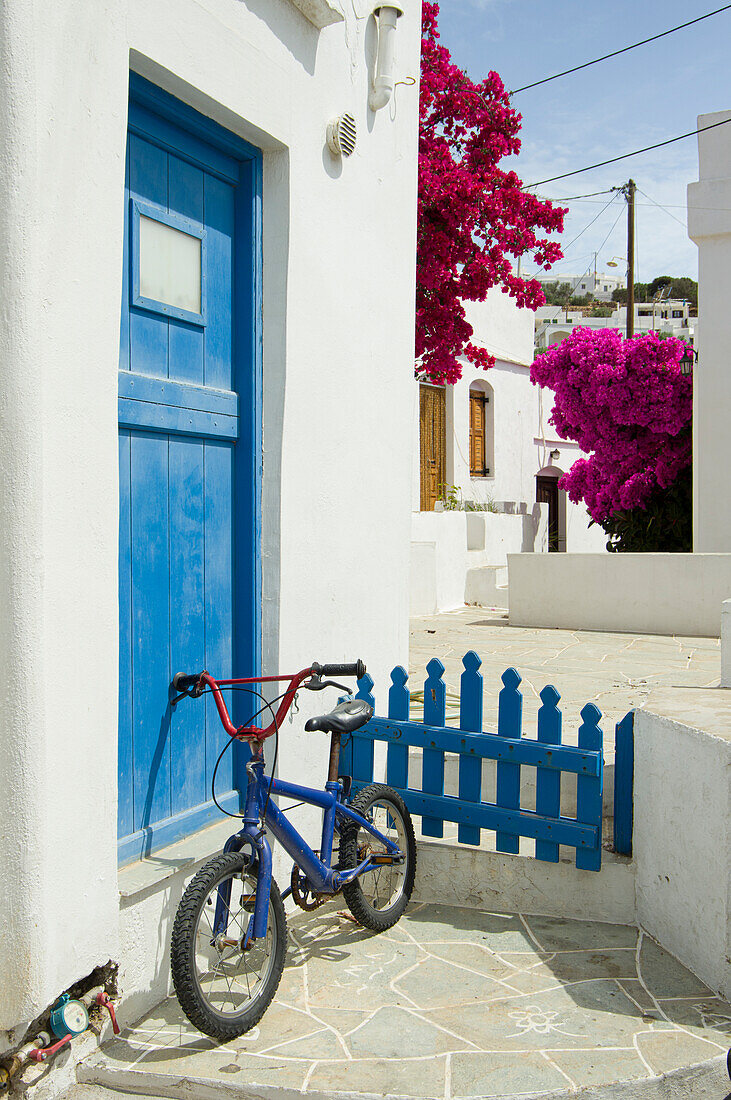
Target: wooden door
{"points": [[432, 442], [180, 460], [547, 493]]}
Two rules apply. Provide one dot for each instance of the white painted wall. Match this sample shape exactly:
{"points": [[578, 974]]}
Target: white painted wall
{"points": [[519, 437], [338, 355], [709, 225], [446, 547], [726, 644], [682, 828], [629, 593]]}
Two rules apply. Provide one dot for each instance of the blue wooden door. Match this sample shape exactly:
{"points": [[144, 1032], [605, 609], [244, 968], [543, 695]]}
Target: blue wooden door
{"points": [[187, 550]]}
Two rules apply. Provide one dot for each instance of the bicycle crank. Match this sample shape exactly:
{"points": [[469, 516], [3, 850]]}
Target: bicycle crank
{"points": [[303, 895]]}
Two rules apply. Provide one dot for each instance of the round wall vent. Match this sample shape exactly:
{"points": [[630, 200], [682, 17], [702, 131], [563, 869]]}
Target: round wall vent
{"points": [[341, 135]]}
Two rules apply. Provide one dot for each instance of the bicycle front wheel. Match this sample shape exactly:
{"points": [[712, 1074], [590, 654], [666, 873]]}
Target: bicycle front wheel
{"points": [[378, 898], [223, 990]]}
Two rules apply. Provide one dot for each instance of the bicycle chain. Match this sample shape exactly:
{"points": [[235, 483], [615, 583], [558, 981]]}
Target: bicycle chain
{"points": [[306, 898]]}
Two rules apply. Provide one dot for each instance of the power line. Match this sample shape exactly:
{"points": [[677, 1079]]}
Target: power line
{"points": [[605, 207], [588, 269], [572, 198], [661, 207], [636, 152], [625, 49]]}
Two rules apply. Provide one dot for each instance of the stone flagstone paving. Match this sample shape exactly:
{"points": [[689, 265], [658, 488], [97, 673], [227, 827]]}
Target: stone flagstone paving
{"points": [[450, 1003]]}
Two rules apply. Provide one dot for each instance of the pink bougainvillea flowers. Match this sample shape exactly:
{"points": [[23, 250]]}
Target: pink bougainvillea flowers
{"points": [[628, 406], [473, 216]]}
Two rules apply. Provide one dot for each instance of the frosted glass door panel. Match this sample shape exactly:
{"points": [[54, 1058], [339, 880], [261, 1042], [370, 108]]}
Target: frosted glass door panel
{"points": [[170, 265]]}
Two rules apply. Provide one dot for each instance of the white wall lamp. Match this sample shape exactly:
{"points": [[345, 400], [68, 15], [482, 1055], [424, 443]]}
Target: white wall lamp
{"points": [[555, 455], [383, 82]]}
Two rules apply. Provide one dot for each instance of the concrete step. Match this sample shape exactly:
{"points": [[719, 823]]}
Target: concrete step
{"points": [[486, 586], [481, 878], [704, 1081]]}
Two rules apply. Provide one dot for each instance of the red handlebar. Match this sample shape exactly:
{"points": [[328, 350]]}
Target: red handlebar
{"points": [[254, 733]]}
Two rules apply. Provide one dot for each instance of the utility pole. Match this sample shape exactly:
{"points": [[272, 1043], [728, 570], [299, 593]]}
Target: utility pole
{"points": [[629, 194]]}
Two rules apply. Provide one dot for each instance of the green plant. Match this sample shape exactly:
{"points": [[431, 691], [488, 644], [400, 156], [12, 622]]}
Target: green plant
{"points": [[452, 497], [664, 525], [480, 506]]}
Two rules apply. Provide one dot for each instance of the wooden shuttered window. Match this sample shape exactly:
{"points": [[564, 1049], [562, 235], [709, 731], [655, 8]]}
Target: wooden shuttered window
{"points": [[478, 431]]}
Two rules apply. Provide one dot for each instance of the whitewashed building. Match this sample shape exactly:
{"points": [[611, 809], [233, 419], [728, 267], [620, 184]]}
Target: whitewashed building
{"points": [[674, 316], [195, 492], [599, 284], [486, 443]]}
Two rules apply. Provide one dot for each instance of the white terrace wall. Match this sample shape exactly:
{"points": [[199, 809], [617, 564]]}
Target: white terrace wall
{"points": [[338, 336], [519, 437], [682, 827], [709, 225], [628, 593]]}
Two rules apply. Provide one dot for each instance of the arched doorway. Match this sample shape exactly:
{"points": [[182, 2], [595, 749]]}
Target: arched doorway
{"points": [[548, 492]]}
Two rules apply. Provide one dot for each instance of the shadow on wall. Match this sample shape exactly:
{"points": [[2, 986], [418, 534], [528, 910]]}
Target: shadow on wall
{"points": [[531, 525], [291, 28]]}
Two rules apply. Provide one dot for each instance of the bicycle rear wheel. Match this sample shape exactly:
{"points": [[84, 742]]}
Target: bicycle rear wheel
{"points": [[223, 990], [378, 898]]}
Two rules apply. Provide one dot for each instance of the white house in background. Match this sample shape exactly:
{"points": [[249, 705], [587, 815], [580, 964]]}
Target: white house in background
{"points": [[486, 442], [596, 283], [231, 460], [676, 316]]}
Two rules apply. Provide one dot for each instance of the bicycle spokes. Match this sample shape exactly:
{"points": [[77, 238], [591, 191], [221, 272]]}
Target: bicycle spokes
{"points": [[228, 973], [383, 885]]}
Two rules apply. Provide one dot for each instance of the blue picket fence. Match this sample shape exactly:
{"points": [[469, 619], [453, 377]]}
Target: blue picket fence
{"points": [[511, 751]]}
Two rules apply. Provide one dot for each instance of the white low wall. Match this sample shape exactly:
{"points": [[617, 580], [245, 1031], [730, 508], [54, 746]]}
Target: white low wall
{"points": [[629, 593], [726, 644], [682, 827], [446, 545]]}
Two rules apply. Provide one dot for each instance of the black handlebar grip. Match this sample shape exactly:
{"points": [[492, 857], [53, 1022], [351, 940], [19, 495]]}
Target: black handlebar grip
{"points": [[182, 680], [357, 669]]}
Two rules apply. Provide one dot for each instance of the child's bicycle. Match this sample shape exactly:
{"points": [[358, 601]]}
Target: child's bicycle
{"points": [[230, 934]]}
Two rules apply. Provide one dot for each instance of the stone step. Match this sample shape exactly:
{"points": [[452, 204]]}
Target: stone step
{"points": [[704, 1081], [486, 586], [482, 878]]}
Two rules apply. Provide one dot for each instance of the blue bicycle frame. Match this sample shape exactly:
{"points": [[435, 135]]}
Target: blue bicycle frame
{"points": [[321, 877]]}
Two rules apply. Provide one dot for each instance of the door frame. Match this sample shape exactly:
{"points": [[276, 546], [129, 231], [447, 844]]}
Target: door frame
{"points": [[166, 121]]}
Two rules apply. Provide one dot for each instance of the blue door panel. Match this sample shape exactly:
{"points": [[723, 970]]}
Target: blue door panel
{"points": [[186, 185], [125, 759], [124, 322], [187, 624], [219, 331], [148, 334], [177, 557], [150, 627], [219, 596]]}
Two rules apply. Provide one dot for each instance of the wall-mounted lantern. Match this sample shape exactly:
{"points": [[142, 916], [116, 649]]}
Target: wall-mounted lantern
{"points": [[383, 82], [690, 355]]}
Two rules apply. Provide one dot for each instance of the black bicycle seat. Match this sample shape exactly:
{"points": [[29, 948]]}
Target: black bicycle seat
{"points": [[345, 718]]}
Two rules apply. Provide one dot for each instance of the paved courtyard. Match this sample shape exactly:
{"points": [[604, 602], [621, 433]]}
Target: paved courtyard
{"points": [[450, 1003], [615, 671]]}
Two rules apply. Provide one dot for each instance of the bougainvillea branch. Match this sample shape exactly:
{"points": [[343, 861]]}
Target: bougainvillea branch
{"points": [[628, 406], [473, 216]]}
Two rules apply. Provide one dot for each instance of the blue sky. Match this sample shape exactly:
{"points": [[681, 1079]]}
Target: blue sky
{"points": [[645, 96]]}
